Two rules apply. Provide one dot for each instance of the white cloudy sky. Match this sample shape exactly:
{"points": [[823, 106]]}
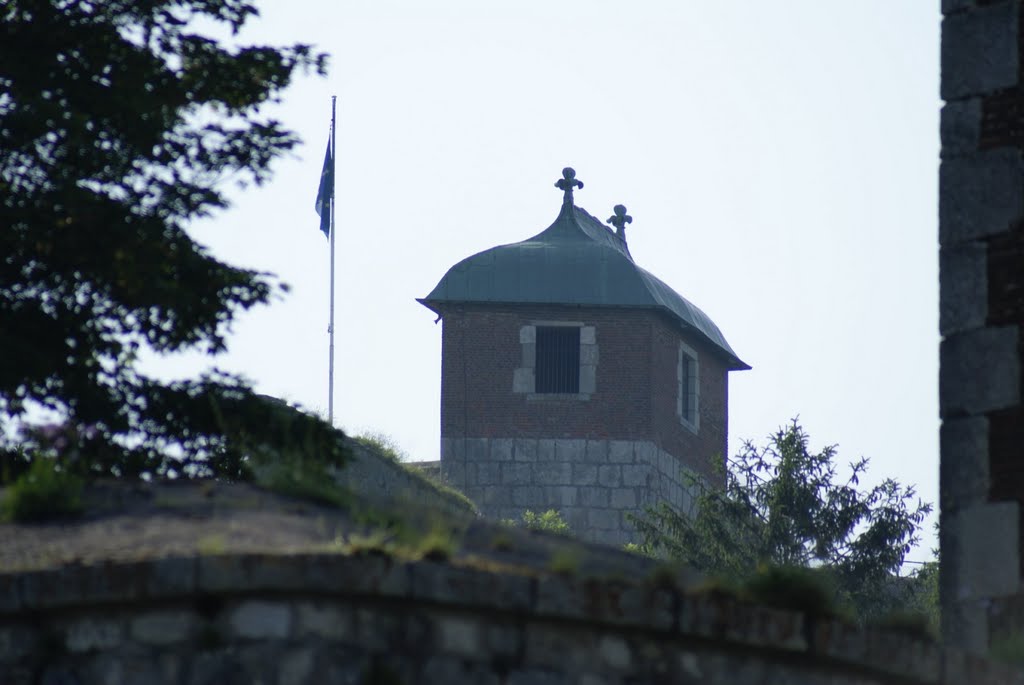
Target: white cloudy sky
{"points": [[779, 160]]}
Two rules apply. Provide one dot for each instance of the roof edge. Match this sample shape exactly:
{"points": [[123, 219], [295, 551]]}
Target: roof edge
{"points": [[734, 363]]}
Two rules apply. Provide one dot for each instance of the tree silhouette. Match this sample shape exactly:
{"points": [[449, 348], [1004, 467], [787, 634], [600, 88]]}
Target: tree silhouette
{"points": [[120, 122], [786, 505]]}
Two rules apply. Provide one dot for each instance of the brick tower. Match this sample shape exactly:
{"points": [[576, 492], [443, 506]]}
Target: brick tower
{"points": [[573, 379]]}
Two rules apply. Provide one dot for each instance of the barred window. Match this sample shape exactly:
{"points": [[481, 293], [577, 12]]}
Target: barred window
{"points": [[558, 359]]}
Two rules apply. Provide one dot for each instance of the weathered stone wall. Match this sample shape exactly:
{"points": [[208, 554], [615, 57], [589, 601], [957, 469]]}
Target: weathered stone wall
{"points": [[332, 619], [594, 484], [378, 477], [981, 232]]}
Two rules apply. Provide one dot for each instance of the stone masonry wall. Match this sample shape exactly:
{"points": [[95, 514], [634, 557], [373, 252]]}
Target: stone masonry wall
{"points": [[379, 478], [594, 484], [332, 620], [981, 232]]}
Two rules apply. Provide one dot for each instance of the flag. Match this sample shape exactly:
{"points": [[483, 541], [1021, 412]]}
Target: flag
{"points": [[325, 194]]}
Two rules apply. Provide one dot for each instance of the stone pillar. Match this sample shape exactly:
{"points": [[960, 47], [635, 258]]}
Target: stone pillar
{"points": [[981, 235]]}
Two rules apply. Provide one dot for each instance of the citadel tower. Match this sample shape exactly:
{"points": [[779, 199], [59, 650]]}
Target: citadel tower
{"points": [[573, 379]]}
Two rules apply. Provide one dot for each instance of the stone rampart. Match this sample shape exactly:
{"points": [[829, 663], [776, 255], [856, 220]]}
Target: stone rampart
{"points": [[378, 478], [329, 618]]}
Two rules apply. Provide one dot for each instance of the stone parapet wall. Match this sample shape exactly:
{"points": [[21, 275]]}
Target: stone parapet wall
{"points": [[373, 619], [378, 478], [981, 315], [593, 484]]}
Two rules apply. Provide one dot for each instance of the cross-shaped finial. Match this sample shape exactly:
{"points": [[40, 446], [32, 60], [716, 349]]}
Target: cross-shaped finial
{"points": [[567, 183], [619, 220]]}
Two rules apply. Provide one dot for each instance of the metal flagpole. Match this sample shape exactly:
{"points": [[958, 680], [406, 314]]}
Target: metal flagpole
{"points": [[330, 373]]}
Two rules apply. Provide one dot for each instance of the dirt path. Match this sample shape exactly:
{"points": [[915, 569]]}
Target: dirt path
{"points": [[140, 521], [136, 521]]}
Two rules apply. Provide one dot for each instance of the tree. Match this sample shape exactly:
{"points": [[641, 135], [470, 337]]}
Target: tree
{"points": [[120, 122], [783, 505]]}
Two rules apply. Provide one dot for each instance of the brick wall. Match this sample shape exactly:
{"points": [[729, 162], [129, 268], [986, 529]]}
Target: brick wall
{"points": [[981, 232], [635, 397], [481, 350], [709, 445]]}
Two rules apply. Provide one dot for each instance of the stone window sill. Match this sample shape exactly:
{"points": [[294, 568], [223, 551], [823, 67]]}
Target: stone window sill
{"points": [[691, 426]]}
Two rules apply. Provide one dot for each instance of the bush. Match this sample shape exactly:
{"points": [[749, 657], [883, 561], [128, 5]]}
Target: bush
{"points": [[795, 588], [786, 505], [550, 521], [383, 444], [44, 492], [439, 544], [307, 481]]}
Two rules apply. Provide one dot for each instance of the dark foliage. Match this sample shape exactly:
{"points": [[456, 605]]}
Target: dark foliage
{"points": [[786, 506], [120, 122], [42, 493]]}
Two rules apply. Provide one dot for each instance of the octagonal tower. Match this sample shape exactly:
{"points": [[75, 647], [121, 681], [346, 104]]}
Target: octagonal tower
{"points": [[573, 379]]}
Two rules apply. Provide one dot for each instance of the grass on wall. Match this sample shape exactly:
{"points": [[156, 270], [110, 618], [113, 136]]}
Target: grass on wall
{"points": [[384, 445]]}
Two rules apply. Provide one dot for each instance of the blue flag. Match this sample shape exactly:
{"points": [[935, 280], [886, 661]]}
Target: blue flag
{"points": [[325, 194]]}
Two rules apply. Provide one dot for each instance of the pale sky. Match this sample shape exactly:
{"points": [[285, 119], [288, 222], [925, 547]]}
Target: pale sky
{"points": [[779, 161]]}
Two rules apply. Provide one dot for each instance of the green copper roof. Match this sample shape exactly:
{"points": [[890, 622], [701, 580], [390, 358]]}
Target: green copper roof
{"points": [[575, 261]]}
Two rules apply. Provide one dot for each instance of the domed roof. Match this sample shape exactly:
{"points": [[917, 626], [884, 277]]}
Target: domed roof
{"points": [[575, 261]]}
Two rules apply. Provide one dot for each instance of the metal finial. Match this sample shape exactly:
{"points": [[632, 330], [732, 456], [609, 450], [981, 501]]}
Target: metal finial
{"points": [[567, 183], [619, 220]]}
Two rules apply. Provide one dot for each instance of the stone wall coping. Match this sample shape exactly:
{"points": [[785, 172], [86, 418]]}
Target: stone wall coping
{"points": [[617, 604]]}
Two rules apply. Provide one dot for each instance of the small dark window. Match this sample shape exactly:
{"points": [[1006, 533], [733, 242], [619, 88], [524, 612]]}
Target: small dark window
{"points": [[687, 387], [558, 359]]}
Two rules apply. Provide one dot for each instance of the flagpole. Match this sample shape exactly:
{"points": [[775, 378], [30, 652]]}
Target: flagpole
{"points": [[330, 372]]}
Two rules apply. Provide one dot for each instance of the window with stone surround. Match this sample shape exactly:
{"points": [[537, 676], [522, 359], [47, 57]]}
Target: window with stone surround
{"points": [[557, 368], [559, 359], [688, 397]]}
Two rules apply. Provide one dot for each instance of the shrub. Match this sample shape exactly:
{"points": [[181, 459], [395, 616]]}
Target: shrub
{"points": [[308, 481], [382, 444], [915, 624], [795, 588], [42, 493], [665, 576], [550, 521], [439, 544], [640, 549], [787, 505], [385, 446], [501, 542], [565, 562]]}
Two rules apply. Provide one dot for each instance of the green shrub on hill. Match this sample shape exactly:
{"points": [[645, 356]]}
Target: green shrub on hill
{"points": [[550, 521], [44, 492], [786, 505], [383, 445]]}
